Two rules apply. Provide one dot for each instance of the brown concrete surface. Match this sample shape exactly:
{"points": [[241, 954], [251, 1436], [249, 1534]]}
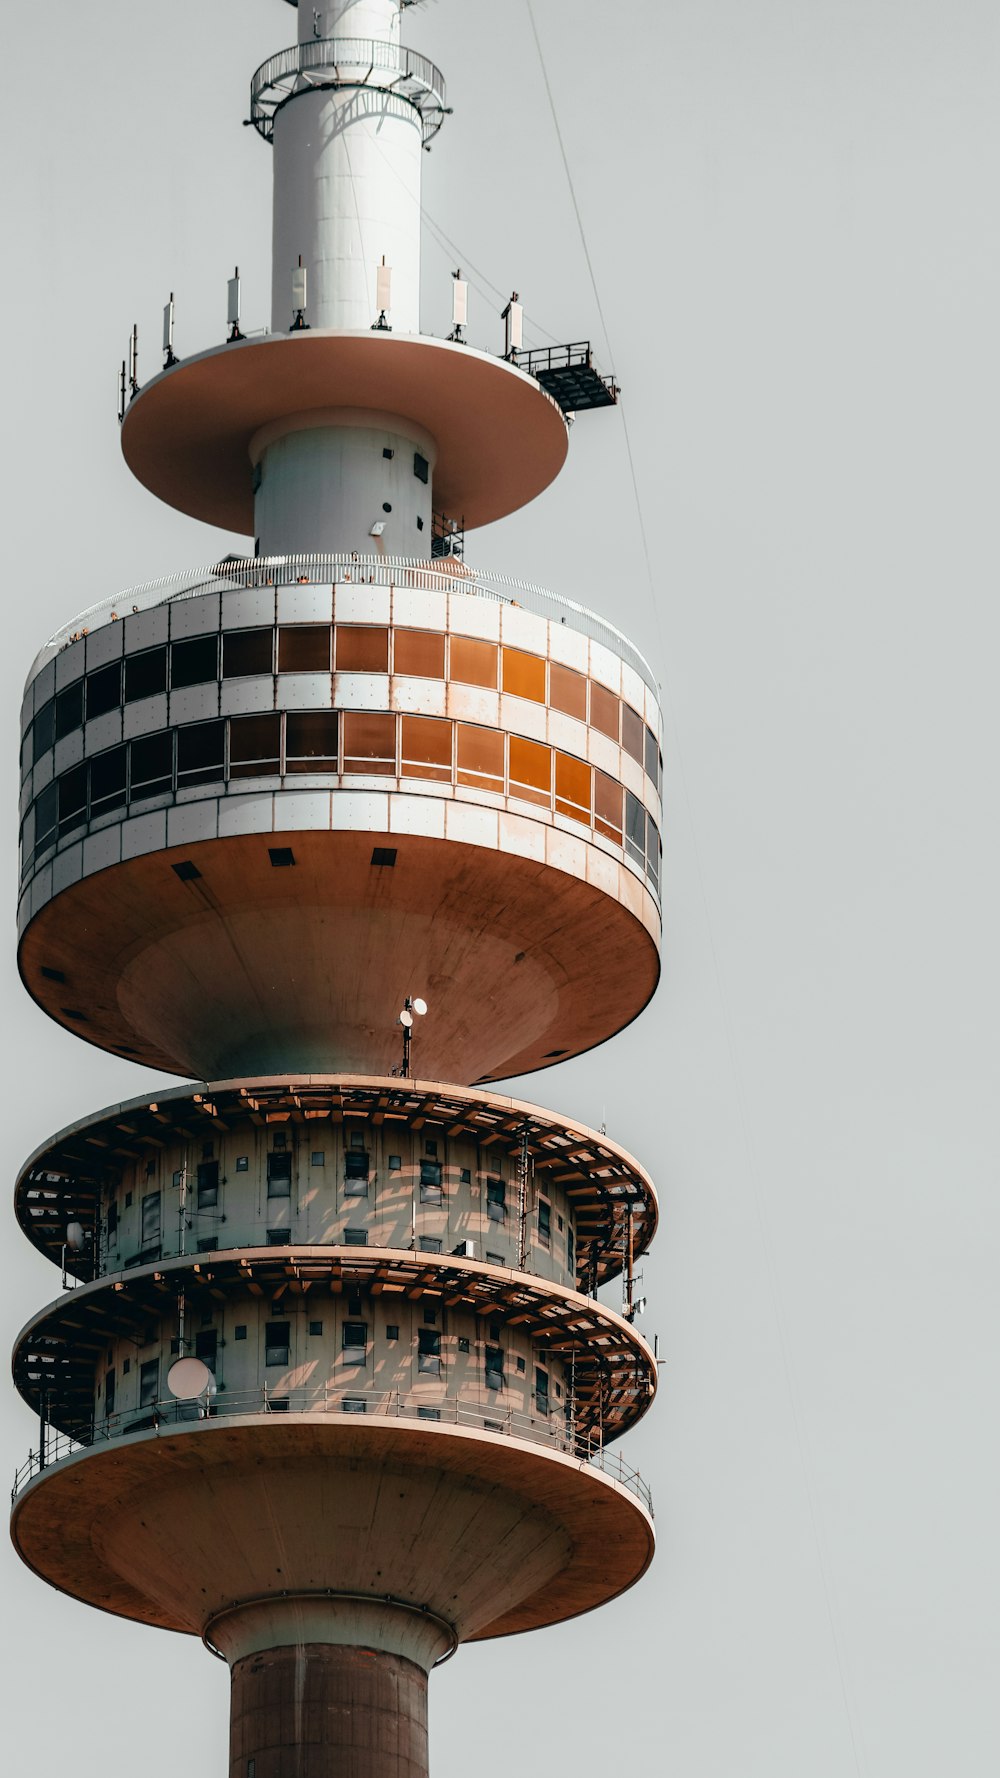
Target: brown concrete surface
{"points": [[500, 439], [316, 1711], [491, 1534], [248, 969]]}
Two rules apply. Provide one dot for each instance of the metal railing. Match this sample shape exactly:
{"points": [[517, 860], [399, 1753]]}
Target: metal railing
{"points": [[383, 571], [348, 62], [551, 1430]]}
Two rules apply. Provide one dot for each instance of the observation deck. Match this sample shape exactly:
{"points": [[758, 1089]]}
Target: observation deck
{"points": [[342, 64]]}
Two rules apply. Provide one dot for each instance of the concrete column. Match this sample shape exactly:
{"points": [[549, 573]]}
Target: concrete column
{"points": [[328, 1687], [325, 480]]}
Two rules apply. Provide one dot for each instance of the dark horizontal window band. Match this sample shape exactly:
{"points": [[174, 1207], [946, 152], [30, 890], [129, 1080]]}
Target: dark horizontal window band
{"points": [[358, 648], [342, 745]]}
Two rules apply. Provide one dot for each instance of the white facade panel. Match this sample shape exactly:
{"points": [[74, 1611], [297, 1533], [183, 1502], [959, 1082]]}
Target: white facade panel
{"points": [[633, 688], [67, 867], [190, 822], [519, 716], [526, 839], [419, 697], [300, 810], [103, 732], [605, 667], [522, 629], [194, 703], [144, 833], [144, 629], [303, 691], [470, 616], [360, 604], [67, 752], [246, 814], [69, 664], [358, 811], [245, 697], [417, 814], [413, 608], [44, 684], [248, 610], [470, 703], [569, 647], [311, 604], [194, 617], [103, 646], [361, 691], [145, 716], [472, 826], [604, 753]]}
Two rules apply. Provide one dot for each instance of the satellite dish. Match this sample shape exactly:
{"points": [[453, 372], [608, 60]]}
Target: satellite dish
{"points": [[189, 1378], [76, 1240], [406, 1018], [420, 1006]]}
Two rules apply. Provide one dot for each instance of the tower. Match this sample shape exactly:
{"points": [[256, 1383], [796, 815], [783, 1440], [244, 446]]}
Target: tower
{"points": [[334, 1387]]}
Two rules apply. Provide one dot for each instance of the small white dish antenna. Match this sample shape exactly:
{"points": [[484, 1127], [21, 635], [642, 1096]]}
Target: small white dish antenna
{"points": [[420, 1006], [76, 1240], [406, 1018], [188, 1378]]}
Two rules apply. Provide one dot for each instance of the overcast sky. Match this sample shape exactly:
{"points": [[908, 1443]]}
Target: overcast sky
{"points": [[790, 209]]}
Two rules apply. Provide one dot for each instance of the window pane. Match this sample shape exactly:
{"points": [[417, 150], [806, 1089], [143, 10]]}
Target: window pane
{"points": [[208, 1184], [608, 807], [430, 1182], [425, 748], [524, 674], [149, 1383], [107, 780], [429, 1351], [253, 745], [311, 741], [356, 1163], [151, 765], [145, 674], [632, 733], [104, 690], [370, 743], [355, 1341], [304, 648], [194, 662], [246, 652], [653, 850], [652, 753], [635, 828], [279, 1175], [43, 730], [573, 787], [46, 815], [150, 1219], [69, 709], [544, 1222], [420, 652], [494, 1367], [355, 1237], [530, 770], [541, 1391], [480, 757], [276, 1340], [496, 1200], [362, 650], [201, 752], [72, 798], [206, 1346], [473, 662], [567, 691], [603, 710]]}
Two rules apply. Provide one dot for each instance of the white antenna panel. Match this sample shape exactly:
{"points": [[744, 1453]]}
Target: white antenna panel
{"points": [[515, 322], [233, 307], [383, 288], [460, 302], [299, 287], [168, 326]]}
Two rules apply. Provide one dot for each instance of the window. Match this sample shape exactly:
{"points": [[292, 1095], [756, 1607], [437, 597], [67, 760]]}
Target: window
{"points": [[530, 770], [246, 653], [494, 1367], [465, 1176], [573, 788], [208, 1185], [194, 662], [315, 1327], [608, 807], [254, 746], [370, 743], [474, 662], [395, 1163], [279, 1175], [430, 1148], [494, 1330], [109, 1393], [126, 1366], [304, 648], [463, 1344], [430, 1317], [632, 736], [541, 1391], [72, 798], [653, 850], [419, 653], [46, 816], [651, 758], [392, 1331], [354, 1342], [524, 675], [428, 1413], [421, 467], [151, 766], [571, 1251], [362, 650], [425, 748], [208, 1244], [356, 1173], [112, 1224], [429, 1351], [276, 1342], [635, 828], [145, 674], [43, 730], [279, 1237], [104, 690], [544, 1223], [480, 757], [429, 1244], [149, 1382], [311, 741], [150, 1219], [520, 1367], [206, 1346], [242, 1163], [201, 753], [496, 1200], [603, 710], [495, 1259], [240, 1332], [354, 1404], [317, 1158], [69, 710], [430, 1182], [355, 1237], [277, 1404], [567, 691]]}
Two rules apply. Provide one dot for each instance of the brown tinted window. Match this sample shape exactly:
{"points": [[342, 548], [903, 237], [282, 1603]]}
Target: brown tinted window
{"points": [[524, 674], [246, 652], [603, 710], [253, 745], [652, 756], [573, 787], [425, 747], [530, 770], [608, 807], [304, 648], [472, 662], [369, 743], [361, 650], [568, 691], [420, 652], [311, 741], [480, 757], [632, 726]]}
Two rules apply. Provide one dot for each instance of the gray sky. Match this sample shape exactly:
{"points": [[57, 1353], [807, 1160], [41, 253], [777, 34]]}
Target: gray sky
{"points": [[790, 211]]}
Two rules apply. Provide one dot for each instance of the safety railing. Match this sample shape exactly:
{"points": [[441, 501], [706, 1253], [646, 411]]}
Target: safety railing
{"points": [[244, 573], [551, 1429], [348, 62]]}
